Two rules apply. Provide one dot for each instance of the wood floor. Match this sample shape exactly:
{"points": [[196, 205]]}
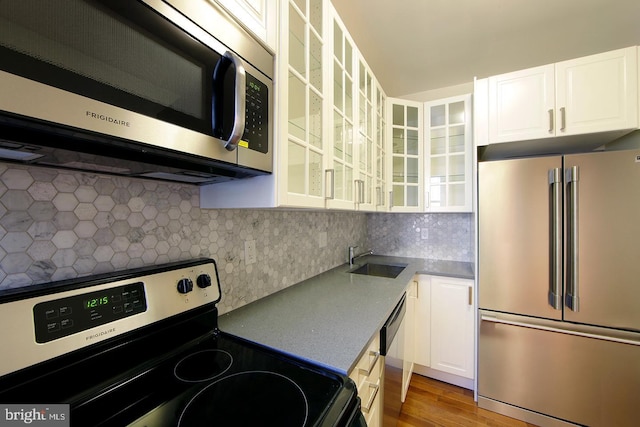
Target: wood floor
{"points": [[431, 403]]}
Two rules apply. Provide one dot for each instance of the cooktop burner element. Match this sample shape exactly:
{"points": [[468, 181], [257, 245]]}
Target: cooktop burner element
{"points": [[246, 399], [149, 338], [203, 365]]}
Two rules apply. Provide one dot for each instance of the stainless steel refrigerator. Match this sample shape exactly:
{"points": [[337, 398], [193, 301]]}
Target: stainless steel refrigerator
{"points": [[559, 288]]}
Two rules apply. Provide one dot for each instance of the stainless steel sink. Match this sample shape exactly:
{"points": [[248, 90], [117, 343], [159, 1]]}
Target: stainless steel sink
{"points": [[381, 270]]}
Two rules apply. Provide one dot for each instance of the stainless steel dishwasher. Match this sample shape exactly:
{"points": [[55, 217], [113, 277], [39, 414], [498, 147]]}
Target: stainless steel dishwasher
{"points": [[392, 348]]}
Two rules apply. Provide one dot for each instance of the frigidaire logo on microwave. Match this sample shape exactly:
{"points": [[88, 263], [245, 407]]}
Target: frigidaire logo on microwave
{"points": [[106, 118]]}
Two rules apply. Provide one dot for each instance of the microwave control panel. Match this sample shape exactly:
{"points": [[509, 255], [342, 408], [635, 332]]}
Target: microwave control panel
{"points": [[66, 316], [256, 135]]}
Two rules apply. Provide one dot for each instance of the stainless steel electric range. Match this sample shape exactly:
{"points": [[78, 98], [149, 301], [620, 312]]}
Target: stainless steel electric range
{"points": [[142, 348]]}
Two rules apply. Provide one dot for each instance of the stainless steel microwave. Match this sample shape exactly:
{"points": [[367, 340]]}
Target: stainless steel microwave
{"points": [[171, 89]]}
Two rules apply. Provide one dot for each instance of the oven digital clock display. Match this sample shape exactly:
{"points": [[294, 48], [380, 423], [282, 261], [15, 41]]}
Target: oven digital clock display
{"points": [[95, 302], [70, 315]]}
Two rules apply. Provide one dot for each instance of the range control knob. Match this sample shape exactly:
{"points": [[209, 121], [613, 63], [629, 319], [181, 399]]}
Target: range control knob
{"points": [[185, 286], [203, 281]]}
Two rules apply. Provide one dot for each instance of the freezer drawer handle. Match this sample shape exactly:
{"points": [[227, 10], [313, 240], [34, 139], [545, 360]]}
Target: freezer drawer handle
{"points": [[493, 319], [555, 284], [572, 299]]}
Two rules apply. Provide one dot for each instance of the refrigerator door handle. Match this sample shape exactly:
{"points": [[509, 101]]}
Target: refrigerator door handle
{"points": [[555, 283], [572, 299]]}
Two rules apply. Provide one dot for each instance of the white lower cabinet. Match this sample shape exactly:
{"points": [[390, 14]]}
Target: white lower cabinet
{"points": [[444, 329], [422, 330], [409, 333], [368, 376]]}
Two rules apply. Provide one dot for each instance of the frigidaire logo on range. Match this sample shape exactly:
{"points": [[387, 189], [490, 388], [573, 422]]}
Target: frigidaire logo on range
{"points": [[100, 334], [38, 415], [109, 119]]}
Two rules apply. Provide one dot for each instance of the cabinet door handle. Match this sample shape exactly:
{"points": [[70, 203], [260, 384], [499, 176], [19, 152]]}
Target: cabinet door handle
{"points": [[376, 356], [551, 121], [390, 199], [470, 295], [331, 173], [563, 119], [376, 387], [358, 197]]}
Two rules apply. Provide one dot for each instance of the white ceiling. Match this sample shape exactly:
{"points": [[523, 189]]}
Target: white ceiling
{"points": [[419, 45]]}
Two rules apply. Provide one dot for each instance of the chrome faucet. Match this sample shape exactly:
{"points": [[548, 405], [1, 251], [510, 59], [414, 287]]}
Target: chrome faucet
{"points": [[353, 256]]}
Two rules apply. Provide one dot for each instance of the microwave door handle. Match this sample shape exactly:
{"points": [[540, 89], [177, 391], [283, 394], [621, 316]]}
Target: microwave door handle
{"points": [[239, 102]]}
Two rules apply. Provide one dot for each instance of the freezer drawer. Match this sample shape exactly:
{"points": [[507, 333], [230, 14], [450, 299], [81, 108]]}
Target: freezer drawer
{"points": [[584, 375]]}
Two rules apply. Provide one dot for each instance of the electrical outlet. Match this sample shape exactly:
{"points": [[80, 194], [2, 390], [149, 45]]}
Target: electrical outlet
{"points": [[322, 239], [250, 252], [424, 233]]}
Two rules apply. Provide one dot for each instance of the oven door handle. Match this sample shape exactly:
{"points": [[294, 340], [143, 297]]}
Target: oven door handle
{"points": [[240, 92]]}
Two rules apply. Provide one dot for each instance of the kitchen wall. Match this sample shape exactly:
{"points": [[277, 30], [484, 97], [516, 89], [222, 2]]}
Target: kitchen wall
{"points": [[427, 235], [57, 224]]}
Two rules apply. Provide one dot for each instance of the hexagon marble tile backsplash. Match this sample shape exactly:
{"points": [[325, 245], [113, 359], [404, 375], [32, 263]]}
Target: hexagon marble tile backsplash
{"points": [[57, 224]]}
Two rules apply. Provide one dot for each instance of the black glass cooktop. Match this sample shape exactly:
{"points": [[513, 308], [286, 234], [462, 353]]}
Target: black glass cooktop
{"points": [[226, 381]]}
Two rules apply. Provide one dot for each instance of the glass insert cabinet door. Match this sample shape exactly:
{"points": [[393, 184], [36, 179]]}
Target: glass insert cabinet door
{"points": [[448, 155], [303, 45], [406, 156], [380, 150], [341, 173], [366, 97]]}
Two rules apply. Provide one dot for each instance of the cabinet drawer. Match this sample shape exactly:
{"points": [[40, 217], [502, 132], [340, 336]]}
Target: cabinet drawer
{"points": [[367, 369], [368, 376], [370, 398]]}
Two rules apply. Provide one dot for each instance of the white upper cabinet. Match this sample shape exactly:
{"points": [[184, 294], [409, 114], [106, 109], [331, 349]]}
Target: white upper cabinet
{"points": [[341, 176], [381, 169], [355, 175], [365, 195], [448, 155], [260, 17], [406, 155], [302, 97], [597, 93], [521, 105]]}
